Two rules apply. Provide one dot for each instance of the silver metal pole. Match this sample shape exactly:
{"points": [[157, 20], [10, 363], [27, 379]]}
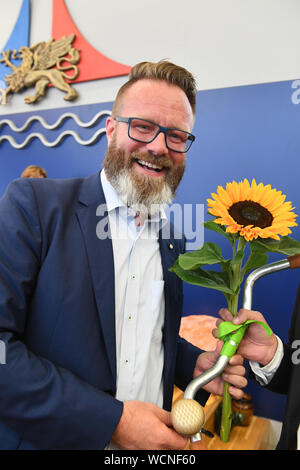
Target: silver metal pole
{"points": [[256, 274]]}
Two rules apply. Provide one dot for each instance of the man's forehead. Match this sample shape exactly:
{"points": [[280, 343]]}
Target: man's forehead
{"points": [[147, 88], [153, 94]]}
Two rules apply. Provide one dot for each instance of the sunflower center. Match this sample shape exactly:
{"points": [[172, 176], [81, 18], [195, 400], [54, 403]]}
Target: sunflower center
{"points": [[251, 213]]}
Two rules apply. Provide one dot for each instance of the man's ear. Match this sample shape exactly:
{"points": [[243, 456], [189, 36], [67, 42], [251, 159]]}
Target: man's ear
{"points": [[110, 128]]}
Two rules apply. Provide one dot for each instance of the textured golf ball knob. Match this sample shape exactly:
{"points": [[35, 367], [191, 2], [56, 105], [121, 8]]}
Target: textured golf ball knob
{"points": [[187, 416]]}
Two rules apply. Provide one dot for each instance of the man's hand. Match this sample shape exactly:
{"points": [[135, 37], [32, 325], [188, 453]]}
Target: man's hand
{"points": [[256, 345], [146, 426], [233, 373]]}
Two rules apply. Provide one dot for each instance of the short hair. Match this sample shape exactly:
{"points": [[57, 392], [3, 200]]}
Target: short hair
{"points": [[34, 171], [165, 71]]}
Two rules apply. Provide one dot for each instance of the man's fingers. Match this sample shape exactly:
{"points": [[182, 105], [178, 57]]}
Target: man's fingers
{"points": [[235, 380], [237, 359], [236, 370], [219, 348], [164, 416], [175, 441], [225, 314], [236, 393], [244, 315]]}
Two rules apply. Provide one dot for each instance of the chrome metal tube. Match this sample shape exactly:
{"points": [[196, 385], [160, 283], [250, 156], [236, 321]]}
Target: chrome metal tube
{"points": [[256, 274], [207, 376]]}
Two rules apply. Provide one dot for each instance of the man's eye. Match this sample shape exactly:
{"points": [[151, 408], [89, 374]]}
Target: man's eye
{"points": [[143, 128], [176, 137]]}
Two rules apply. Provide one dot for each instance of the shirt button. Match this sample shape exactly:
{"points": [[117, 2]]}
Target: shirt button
{"points": [[133, 277], [126, 361]]}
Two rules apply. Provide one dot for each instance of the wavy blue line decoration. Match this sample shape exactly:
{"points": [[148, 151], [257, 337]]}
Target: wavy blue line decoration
{"points": [[58, 122], [54, 143], [52, 127], [18, 38]]}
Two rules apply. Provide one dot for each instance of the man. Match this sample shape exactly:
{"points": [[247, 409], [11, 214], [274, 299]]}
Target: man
{"points": [[91, 321], [275, 365]]}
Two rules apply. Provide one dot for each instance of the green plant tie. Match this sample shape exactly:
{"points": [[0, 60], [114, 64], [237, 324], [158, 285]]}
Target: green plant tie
{"points": [[232, 335]]}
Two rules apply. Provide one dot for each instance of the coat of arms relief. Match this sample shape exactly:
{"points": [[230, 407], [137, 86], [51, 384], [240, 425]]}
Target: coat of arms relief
{"points": [[37, 69]]}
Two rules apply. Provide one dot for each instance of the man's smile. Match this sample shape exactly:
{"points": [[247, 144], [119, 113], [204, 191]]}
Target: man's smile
{"points": [[150, 166]]}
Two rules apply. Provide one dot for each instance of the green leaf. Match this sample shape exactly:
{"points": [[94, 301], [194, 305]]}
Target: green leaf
{"points": [[211, 225], [200, 277], [255, 260], [286, 246], [209, 253]]}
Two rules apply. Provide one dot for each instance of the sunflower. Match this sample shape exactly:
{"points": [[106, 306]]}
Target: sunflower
{"points": [[252, 210]]}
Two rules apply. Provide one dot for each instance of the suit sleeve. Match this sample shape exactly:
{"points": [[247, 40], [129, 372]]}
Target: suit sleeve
{"points": [[45, 404], [280, 383]]}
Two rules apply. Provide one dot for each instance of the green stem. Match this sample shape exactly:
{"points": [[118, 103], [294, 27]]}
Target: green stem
{"points": [[226, 415], [233, 304], [226, 405], [236, 281]]}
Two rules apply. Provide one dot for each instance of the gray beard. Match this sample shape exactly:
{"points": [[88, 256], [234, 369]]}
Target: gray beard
{"points": [[144, 203]]}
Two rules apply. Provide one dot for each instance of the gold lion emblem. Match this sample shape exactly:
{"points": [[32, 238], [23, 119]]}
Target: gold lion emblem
{"points": [[35, 65]]}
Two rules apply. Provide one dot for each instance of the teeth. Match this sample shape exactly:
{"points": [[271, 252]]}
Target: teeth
{"points": [[150, 165]]}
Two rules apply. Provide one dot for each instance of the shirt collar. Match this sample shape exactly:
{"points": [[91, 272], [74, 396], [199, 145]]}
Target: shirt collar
{"points": [[113, 200], [111, 196]]}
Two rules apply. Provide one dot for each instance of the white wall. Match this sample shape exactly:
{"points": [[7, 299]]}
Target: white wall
{"points": [[223, 42]]}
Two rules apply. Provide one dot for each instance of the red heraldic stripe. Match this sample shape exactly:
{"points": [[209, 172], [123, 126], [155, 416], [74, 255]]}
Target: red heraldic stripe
{"points": [[93, 65]]}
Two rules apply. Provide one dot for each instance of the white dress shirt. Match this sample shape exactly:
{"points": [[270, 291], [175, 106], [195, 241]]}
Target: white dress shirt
{"points": [[139, 301]]}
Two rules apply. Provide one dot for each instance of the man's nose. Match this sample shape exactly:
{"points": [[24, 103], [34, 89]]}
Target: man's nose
{"points": [[158, 145]]}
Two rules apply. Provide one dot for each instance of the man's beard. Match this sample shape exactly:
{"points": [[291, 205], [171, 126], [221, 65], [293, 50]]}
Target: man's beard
{"points": [[141, 192]]}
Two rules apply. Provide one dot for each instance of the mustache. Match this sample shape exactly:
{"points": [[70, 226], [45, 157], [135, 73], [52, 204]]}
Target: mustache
{"points": [[162, 161]]}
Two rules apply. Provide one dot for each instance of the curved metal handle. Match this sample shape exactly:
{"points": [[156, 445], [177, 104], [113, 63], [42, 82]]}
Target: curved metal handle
{"points": [[257, 274], [196, 384]]}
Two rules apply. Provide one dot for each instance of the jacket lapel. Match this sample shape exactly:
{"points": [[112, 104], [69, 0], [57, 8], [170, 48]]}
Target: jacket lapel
{"points": [[94, 225]]}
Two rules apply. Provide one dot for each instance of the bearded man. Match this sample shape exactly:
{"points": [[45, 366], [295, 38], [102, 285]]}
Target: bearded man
{"points": [[90, 323]]}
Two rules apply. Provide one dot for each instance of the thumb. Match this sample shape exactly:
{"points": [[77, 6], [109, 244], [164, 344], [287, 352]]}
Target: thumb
{"points": [[214, 355], [241, 317], [164, 416], [245, 314], [219, 347]]}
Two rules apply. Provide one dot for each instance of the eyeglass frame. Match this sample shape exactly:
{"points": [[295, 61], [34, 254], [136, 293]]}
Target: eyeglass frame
{"points": [[162, 129]]}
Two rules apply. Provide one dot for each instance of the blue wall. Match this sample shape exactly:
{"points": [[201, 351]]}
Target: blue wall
{"points": [[242, 132]]}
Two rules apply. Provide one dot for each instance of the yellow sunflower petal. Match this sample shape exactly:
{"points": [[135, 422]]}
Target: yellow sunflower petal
{"points": [[234, 191], [224, 197], [245, 190]]}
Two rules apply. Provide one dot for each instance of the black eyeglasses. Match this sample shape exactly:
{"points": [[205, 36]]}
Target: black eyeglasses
{"points": [[142, 130]]}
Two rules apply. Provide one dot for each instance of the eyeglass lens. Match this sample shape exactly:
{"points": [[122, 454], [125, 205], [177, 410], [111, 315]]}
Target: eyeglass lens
{"points": [[145, 131]]}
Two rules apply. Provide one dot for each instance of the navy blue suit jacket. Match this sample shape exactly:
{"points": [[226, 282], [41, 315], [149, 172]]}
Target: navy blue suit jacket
{"points": [[287, 381], [57, 318]]}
